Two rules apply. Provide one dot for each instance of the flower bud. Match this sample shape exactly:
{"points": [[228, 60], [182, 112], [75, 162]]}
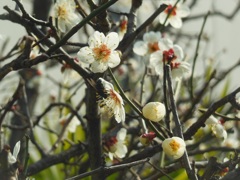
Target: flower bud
{"points": [[154, 111], [174, 147], [147, 138]]}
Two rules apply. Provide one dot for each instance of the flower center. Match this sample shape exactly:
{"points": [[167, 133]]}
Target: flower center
{"points": [[174, 65], [110, 144], [62, 12], [221, 121], [169, 56], [174, 145], [170, 10], [102, 53], [152, 47]]}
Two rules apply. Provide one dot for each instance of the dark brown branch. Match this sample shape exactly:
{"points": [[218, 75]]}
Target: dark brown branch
{"points": [[94, 132], [22, 62], [178, 127], [29, 17], [11, 102], [51, 160], [53, 105], [110, 169]]}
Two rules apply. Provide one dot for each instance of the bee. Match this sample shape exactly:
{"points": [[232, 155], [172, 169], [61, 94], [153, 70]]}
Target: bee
{"points": [[101, 92]]}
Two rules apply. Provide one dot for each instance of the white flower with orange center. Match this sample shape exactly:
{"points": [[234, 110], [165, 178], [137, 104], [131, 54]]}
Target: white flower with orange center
{"points": [[169, 54], [100, 53], [110, 100], [64, 12], [148, 45], [115, 145], [174, 147], [174, 14]]}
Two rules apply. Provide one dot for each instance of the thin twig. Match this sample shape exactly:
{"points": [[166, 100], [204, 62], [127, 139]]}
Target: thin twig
{"points": [[109, 169], [196, 54]]}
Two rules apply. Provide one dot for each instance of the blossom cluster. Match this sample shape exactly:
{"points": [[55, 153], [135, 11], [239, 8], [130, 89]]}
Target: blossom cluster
{"points": [[162, 51]]}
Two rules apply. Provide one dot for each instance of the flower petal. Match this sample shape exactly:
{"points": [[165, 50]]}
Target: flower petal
{"points": [[165, 44], [16, 149], [176, 22], [211, 120], [162, 18], [114, 59], [178, 52], [98, 67], [119, 114], [11, 158], [178, 73], [121, 151], [96, 39], [121, 135], [110, 155], [140, 48], [156, 61], [112, 40], [62, 25], [151, 36], [183, 11], [86, 55]]}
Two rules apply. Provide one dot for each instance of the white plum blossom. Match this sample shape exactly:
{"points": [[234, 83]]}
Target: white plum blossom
{"points": [[217, 128], [64, 12], [110, 100], [148, 45], [115, 145], [177, 13], [101, 53], [169, 54], [174, 147], [154, 111], [12, 158]]}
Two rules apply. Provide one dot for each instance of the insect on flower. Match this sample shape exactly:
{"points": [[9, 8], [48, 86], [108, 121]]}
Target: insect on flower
{"points": [[109, 100]]}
